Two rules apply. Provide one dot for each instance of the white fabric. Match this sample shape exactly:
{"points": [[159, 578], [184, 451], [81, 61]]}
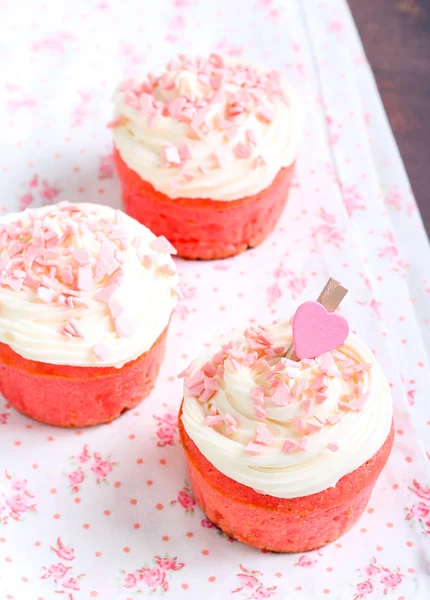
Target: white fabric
{"points": [[351, 215]]}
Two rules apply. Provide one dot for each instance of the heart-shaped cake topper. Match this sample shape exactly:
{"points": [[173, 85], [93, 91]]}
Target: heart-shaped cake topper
{"points": [[316, 331]]}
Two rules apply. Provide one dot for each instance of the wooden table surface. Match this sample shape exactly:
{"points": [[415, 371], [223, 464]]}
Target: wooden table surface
{"points": [[396, 38]]}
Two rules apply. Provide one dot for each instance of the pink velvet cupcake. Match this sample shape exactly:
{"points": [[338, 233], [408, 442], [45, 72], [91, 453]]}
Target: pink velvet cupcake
{"points": [[205, 153], [283, 455], [86, 295]]}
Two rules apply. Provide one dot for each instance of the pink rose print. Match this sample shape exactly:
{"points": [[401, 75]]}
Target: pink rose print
{"points": [[306, 561], [76, 478], [394, 198], [82, 109], [101, 468], [55, 44], [13, 105], [206, 524], [364, 588], [106, 166], [295, 284], [3, 418], [84, 456], [391, 580], [328, 231], [419, 512], [155, 578], [351, 199], [392, 253], [251, 586], [130, 581], [16, 503], [186, 499], [61, 575], [40, 190], [186, 293], [333, 131], [371, 570], [167, 429], [95, 464], [273, 294], [62, 551], [131, 58], [379, 579]]}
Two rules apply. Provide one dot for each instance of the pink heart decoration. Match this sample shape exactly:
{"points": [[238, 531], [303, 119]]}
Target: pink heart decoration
{"points": [[316, 331]]}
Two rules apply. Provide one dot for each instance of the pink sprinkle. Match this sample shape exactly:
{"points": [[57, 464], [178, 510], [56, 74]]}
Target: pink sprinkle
{"points": [[105, 293], [115, 307], [321, 398], [213, 421], [185, 152], [161, 244], [82, 257], [282, 395], [209, 369], [332, 447], [257, 394], [85, 278], [197, 379], [147, 261], [115, 122], [166, 270], [254, 448], [211, 383], [299, 423], [266, 114], [318, 382], [242, 150], [289, 446], [73, 323], [306, 405], [258, 162], [228, 418], [230, 430], [263, 436], [314, 426], [30, 281], [260, 411], [345, 406], [218, 358], [46, 295], [106, 262], [15, 283], [250, 136], [124, 327], [326, 364], [101, 351], [170, 156], [359, 403]]}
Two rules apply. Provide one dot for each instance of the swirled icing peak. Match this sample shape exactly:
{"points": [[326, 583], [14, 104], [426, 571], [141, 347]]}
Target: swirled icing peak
{"points": [[282, 427], [82, 284], [207, 128]]}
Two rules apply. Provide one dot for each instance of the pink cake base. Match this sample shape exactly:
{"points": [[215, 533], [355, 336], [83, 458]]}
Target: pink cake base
{"points": [[277, 524], [77, 396], [202, 228]]}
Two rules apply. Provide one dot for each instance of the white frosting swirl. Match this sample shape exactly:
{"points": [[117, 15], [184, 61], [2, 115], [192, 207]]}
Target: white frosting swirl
{"points": [[356, 436], [141, 141], [32, 326]]}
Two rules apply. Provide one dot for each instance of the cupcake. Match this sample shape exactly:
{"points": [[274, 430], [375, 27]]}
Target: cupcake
{"points": [[205, 153], [86, 295], [283, 454]]}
